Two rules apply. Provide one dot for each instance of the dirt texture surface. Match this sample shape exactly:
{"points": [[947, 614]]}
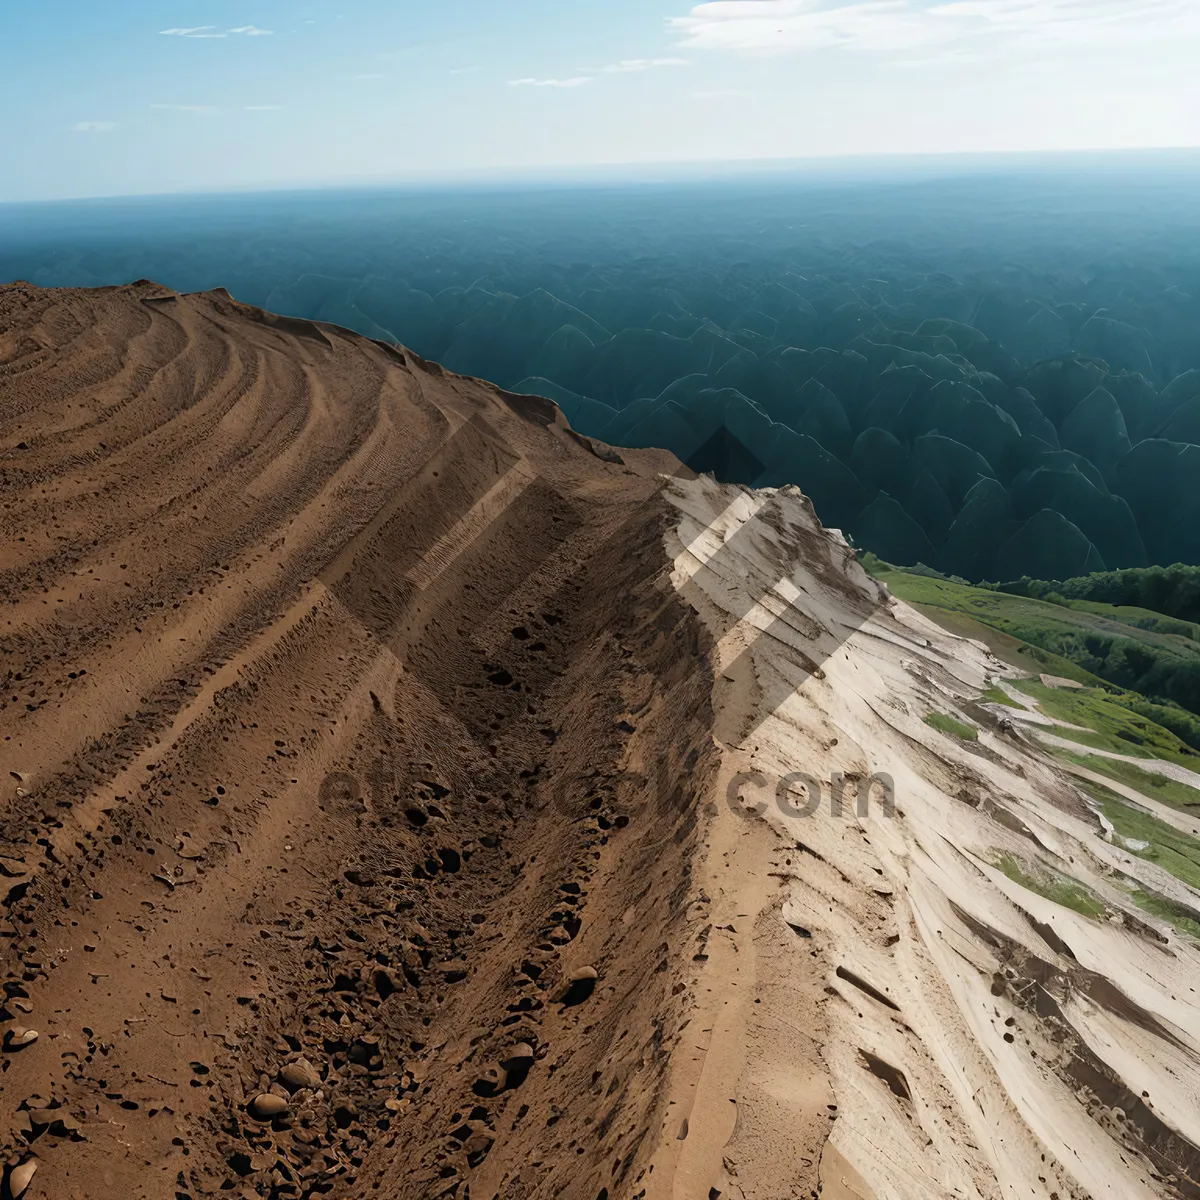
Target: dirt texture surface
{"points": [[332, 687]]}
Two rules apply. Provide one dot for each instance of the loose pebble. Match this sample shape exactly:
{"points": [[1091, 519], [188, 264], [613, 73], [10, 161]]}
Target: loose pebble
{"points": [[299, 1074], [266, 1106], [521, 1054], [19, 1178]]}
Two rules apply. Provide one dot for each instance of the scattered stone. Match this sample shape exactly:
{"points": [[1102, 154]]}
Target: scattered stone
{"points": [[299, 1074], [58, 1120], [266, 1107], [579, 986], [492, 1082], [17, 1038], [1057, 681], [19, 1178], [521, 1055], [186, 848]]}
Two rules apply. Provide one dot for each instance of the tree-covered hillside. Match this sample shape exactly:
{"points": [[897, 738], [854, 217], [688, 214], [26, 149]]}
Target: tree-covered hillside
{"points": [[997, 375]]}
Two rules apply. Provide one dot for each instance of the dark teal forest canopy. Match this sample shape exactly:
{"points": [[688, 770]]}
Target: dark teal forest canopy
{"points": [[997, 375]]}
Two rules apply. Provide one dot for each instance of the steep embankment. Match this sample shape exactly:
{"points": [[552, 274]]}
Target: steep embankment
{"points": [[963, 985], [326, 679]]}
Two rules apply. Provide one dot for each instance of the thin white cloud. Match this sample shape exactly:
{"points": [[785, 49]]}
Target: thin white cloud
{"points": [[589, 74], [643, 64], [211, 31], [889, 26], [198, 31], [463, 70], [205, 110], [94, 126], [371, 75], [574, 82], [950, 56], [712, 95]]}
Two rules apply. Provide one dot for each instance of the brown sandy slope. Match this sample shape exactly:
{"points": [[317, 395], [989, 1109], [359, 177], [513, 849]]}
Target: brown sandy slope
{"points": [[329, 679]]}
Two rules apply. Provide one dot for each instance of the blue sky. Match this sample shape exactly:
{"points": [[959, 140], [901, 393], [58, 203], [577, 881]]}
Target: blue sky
{"points": [[172, 95]]}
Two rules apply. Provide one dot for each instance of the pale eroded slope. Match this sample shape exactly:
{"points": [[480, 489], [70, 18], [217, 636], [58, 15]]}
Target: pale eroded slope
{"points": [[976, 1038]]}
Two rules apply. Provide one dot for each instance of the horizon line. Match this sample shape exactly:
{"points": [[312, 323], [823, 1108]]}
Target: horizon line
{"points": [[655, 171]]}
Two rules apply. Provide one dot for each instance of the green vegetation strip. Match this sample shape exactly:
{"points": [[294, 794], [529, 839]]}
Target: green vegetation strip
{"points": [[1061, 889], [1151, 658], [1155, 786], [1139, 618], [1170, 848], [1113, 726], [1162, 908], [946, 724], [1173, 591]]}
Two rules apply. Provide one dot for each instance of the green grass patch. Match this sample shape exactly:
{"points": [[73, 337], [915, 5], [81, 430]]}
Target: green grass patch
{"points": [[1061, 889], [1021, 656], [1167, 846], [955, 728], [995, 695], [1139, 618], [1159, 906], [1131, 649], [1183, 724], [1149, 783], [1028, 634], [972, 612], [1112, 726]]}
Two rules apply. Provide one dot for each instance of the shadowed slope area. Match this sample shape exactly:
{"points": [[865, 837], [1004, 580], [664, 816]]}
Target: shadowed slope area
{"points": [[323, 668]]}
